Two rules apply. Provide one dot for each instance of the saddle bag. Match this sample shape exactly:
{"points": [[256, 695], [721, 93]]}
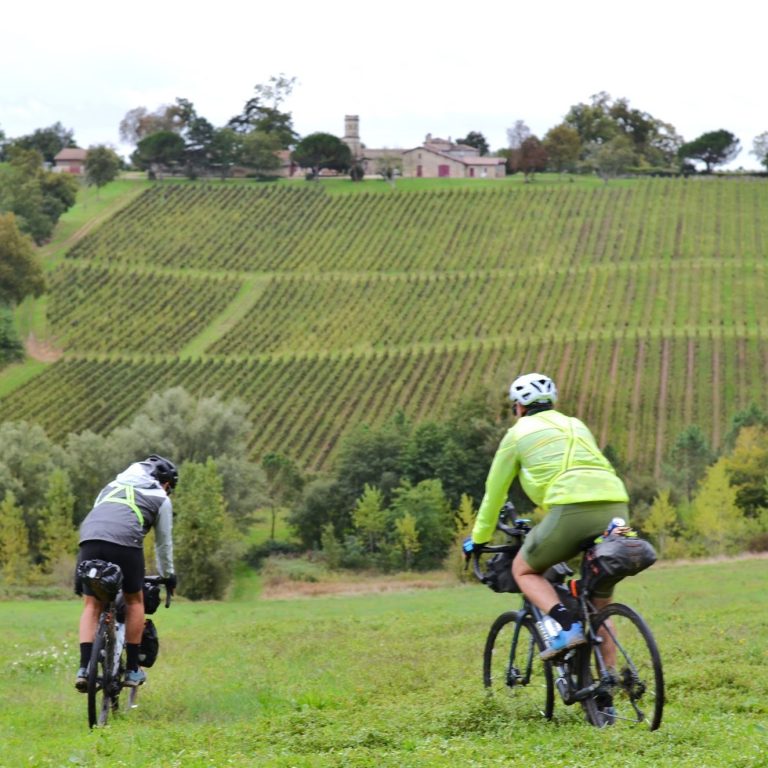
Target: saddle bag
{"points": [[615, 557], [103, 579]]}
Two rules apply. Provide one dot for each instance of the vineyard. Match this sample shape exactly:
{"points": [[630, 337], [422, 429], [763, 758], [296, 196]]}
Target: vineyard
{"points": [[645, 301]]}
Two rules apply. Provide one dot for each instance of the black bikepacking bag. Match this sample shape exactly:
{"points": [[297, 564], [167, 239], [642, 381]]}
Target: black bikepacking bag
{"points": [[614, 558], [104, 579], [151, 597], [150, 644], [499, 574]]}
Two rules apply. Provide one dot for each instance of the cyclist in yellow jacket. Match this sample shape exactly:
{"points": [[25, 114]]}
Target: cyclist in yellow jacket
{"points": [[562, 470]]}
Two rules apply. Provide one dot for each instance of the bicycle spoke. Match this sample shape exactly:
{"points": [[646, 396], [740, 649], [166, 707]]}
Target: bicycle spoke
{"points": [[629, 664], [512, 668]]}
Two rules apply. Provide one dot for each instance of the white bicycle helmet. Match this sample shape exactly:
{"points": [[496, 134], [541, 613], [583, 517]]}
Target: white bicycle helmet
{"points": [[533, 388]]}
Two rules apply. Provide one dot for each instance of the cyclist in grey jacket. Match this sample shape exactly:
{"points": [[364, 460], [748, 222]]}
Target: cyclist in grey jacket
{"points": [[137, 500]]}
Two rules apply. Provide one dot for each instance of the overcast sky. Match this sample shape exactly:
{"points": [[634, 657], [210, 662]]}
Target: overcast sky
{"points": [[406, 68]]}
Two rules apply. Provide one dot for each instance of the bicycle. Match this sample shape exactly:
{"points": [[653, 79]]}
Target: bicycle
{"points": [[107, 665], [627, 689]]}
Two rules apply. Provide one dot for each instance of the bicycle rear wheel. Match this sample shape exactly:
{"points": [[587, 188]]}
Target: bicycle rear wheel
{"points": [[512, 667], [98, 675], [634, 694], [103, 685]]}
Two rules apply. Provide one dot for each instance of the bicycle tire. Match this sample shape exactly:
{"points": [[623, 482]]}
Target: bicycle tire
{"points": [[512, 667], [96, 673], [637, 694]]}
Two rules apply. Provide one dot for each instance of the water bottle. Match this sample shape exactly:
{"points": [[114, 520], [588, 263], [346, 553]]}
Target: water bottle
{"points": [[548, 628], [617, 522]]}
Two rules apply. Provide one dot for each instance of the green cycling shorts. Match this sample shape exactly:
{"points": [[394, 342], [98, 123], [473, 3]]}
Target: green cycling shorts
{"points": [[565, 529]]}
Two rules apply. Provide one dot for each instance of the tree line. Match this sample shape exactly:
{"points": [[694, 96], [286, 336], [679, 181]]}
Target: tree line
{"points": [[398, 497]]}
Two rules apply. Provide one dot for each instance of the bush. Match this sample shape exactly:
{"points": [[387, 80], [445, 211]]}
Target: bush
{"points": [[258, 553]]}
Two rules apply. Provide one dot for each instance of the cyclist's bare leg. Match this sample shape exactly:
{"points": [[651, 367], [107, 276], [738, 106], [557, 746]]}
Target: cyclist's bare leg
{"points": [[134, 617], [533, 585], [89, 618], [608, 647]]}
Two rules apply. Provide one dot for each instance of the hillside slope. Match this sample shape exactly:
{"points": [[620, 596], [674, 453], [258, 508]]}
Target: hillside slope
{"points": [[644, 301]]}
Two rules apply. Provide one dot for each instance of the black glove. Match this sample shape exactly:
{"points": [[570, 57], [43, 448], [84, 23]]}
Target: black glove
{"points": [[170, 582]]}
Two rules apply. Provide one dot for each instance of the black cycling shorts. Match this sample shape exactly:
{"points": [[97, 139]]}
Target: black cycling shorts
{"points": [[130, 560]]}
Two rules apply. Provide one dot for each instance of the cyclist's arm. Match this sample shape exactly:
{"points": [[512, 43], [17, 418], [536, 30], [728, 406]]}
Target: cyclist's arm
{"points": [[164, 538], [503, 471]]}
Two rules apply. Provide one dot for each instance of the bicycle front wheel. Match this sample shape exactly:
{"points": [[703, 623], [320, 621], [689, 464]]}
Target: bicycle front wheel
{"points": [[629, 663], [512, 667]]}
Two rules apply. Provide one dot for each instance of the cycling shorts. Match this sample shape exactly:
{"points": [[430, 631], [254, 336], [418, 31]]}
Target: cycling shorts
{"points": [[130, 560], [566, 530]]}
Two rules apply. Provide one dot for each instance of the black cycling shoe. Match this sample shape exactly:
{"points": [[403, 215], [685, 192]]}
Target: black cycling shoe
{"points": [[606, 712]]}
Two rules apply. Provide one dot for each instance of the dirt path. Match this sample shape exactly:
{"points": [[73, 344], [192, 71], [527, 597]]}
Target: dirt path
{"points": [[44, 351]]}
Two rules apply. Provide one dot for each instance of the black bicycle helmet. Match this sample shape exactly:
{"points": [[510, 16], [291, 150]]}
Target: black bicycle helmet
{"points": [[163, 470]]}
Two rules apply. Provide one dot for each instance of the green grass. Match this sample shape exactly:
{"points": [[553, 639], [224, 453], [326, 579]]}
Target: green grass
{"points": [[384, 680]]}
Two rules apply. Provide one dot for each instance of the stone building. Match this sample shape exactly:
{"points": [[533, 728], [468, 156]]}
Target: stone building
{"points": [[434, 158]]}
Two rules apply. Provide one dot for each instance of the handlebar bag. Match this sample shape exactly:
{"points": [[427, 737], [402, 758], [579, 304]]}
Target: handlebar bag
{"points": [[499, 575], [151, 597]]}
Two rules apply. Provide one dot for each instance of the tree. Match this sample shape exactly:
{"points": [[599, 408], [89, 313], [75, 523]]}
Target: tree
{"points": [[259, 150], [562, 146], [139, 123], [751, 416], [21, 273], [47, 141], [613, 157], [531, 158], [205, 539], [283, 484], [320, 151], [58, 536], [661, 521], [11, 348], [760, 149], [101, 166], [37, 197], [161, 150], [427, 505], [27, 459], [14, 542], [654, 143], [715, 521], [320, 504], [372, 457], [370, 517], [691, 455], [224, 150], [477, 140], [747, 469], [712, 148], [407, 538], [526, 152], [262, 112], [183, 427]]}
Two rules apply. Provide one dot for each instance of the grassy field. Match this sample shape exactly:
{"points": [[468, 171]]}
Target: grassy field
{"points": [[384, 679]]}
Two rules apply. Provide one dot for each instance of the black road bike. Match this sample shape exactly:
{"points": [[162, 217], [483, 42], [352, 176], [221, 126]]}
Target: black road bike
{"points": [[616, 677], [106, 668]]}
